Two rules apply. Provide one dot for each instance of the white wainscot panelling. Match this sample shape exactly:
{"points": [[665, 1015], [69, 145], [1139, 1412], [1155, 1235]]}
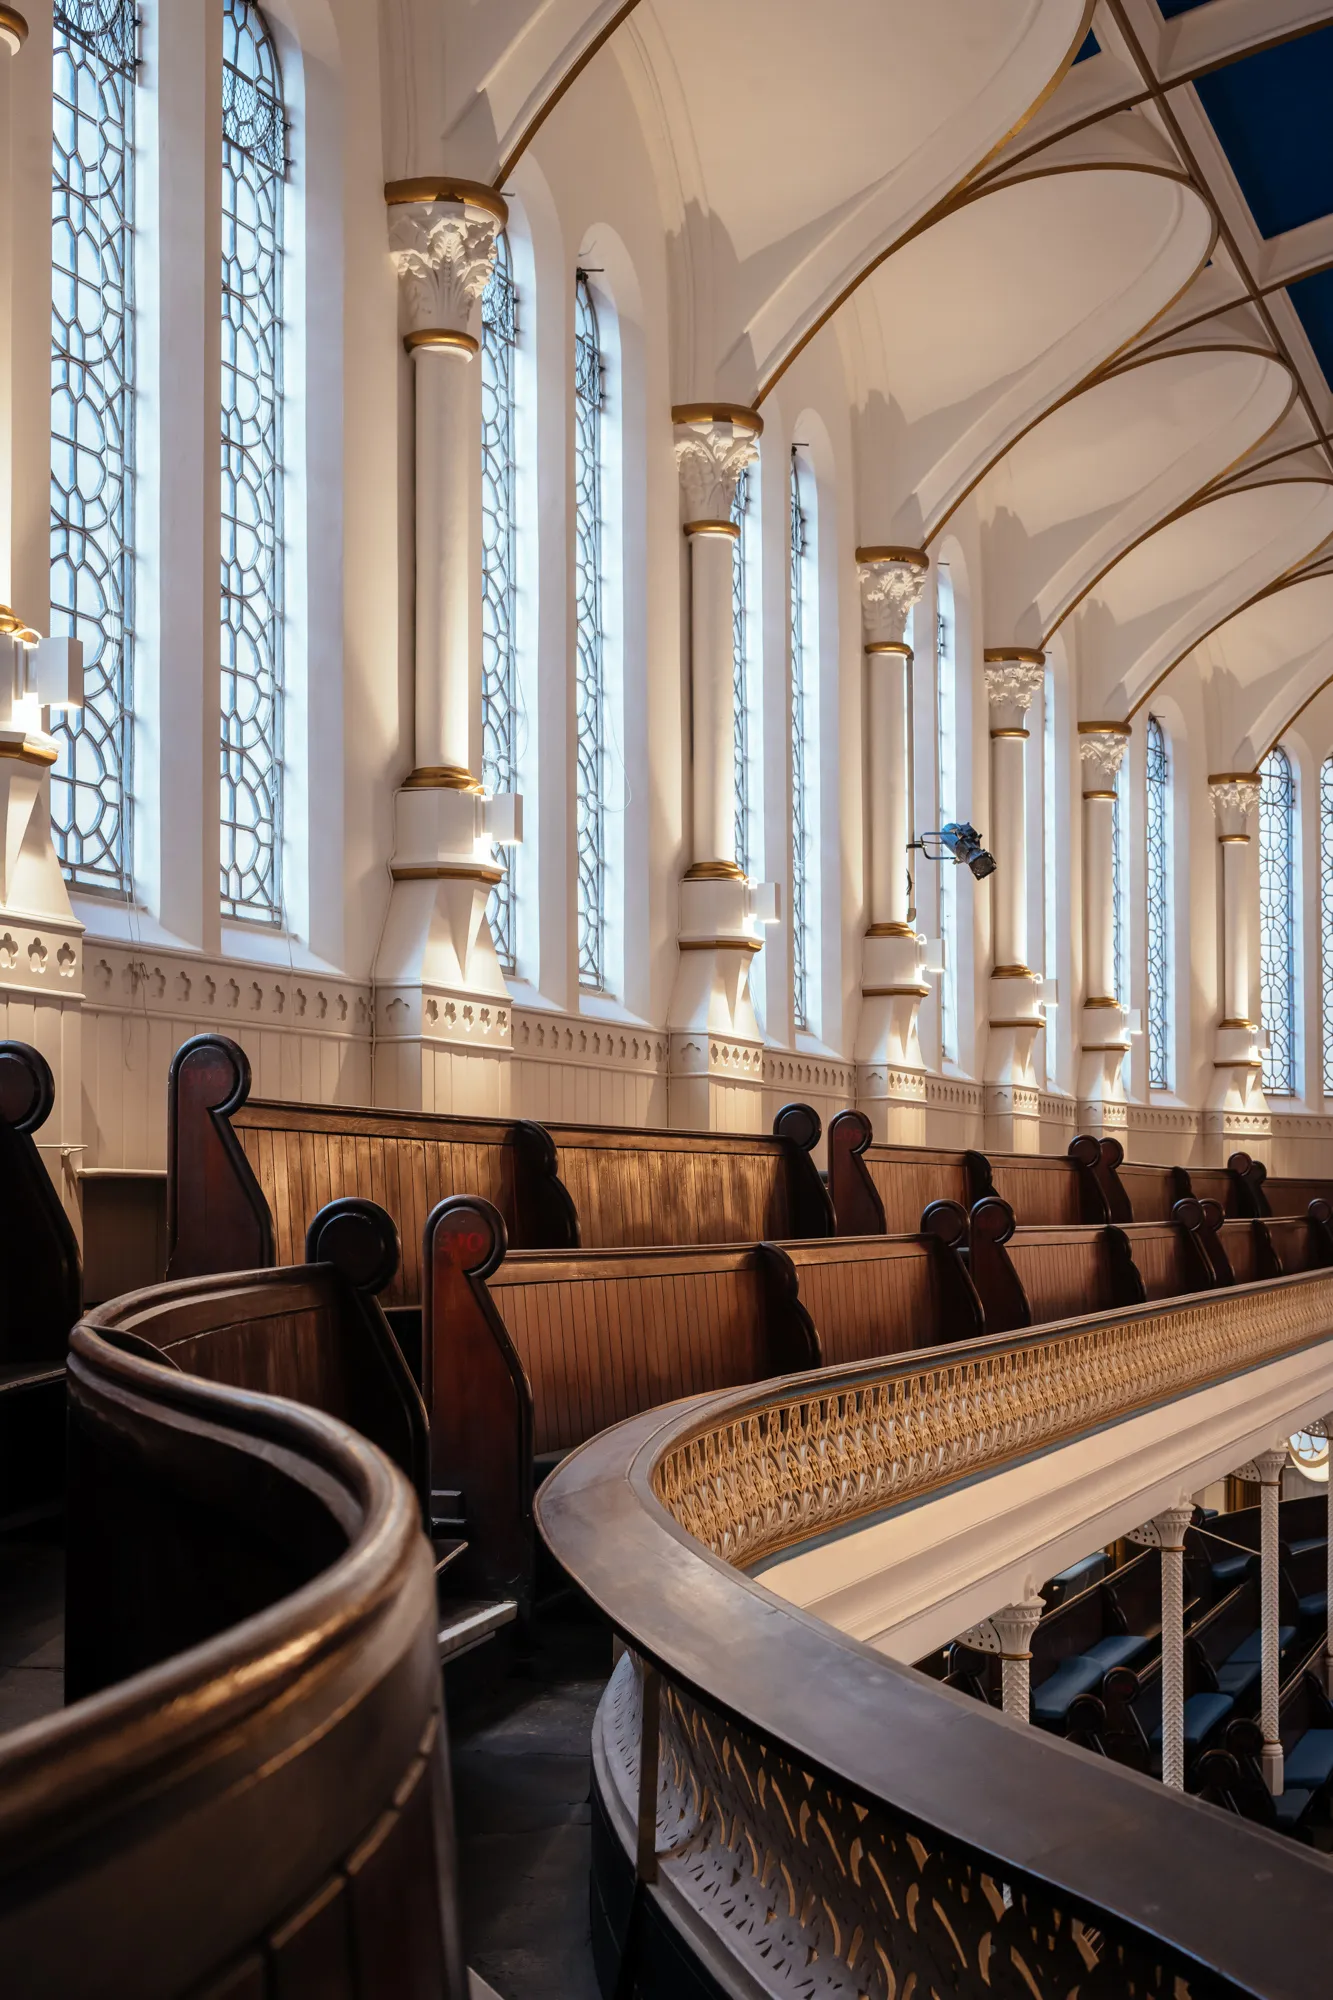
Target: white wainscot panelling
{"points": [[567, 1070], [1059, 1120], [307, 1038], [822, 1082], [1302, 1142], [954, 1112], [1167, 1135]]}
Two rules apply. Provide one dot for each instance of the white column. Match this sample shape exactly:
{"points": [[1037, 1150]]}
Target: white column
{"points": [[716, 1043], [1237, 1111], [1101, 1088], [1327, 1428], [1013, 676], [443, 1027], [1009, 1633], [891, 1082], [1267, 1467], [1166, 1532]]}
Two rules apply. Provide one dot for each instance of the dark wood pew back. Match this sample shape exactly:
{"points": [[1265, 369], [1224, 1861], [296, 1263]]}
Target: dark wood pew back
{"points": [[245, 1177], [1027, 1277], [883, 1189], [1151, 1192], [250, 1792], [1171, 1257], [1302, 1242], [871, 1295]]}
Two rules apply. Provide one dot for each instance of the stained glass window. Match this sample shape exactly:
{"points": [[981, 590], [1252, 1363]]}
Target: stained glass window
{"points": [[946, 712], [254, 165], [1326, 913], [1119, 886], [1277, 921], [740, 664], [1158, 909], [590, 679], [499, 767], [800, 794], [92, 429]]}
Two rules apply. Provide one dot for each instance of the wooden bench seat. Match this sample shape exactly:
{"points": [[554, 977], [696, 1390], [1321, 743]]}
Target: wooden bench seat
{"points": [[531, 1353], [1231, 1775], [1027, 1277], [1115, 1622], [246, 1176], [883, 1189], [250, 1793]]}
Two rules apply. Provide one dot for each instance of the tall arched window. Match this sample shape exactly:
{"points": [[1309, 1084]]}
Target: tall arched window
{"points": [[254, 166], [92, 429], [1158, 910], [1277, 921], [740, 665], [1325, 915], [802, 775], [1326, 912], [946, 776], [590, 675], [499, 689], [1119, 884]]}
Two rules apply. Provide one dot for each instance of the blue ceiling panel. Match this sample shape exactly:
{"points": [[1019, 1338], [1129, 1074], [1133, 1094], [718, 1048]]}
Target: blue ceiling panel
{"points": [[1313, 300], [1271, 114], [1168, 9], [1090, 47]]}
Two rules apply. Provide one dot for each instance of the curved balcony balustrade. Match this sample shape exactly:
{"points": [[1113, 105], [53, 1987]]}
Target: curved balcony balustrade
{"points": [[809, 1817]]}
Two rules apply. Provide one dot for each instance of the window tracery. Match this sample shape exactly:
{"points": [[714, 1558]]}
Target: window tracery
{"points": [[92, 429], [1158, 909], [254, 165], [946, 711], [740, 516], [800, 800], [590, 677], [499, 767], [1277, 922]]}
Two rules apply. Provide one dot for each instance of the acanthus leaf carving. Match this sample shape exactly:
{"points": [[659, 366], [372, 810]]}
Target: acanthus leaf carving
{"points": [[890, 591], [711, 457], [444, 254]]}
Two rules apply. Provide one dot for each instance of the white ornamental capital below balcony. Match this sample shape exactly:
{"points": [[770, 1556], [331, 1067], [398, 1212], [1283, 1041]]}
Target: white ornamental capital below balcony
{"points": [[1234, 795], [711, 454], [890, 591], [1013, 683], [444, 252], [1103, 754]]}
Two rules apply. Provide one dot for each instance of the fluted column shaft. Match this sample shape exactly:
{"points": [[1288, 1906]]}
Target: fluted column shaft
{"points": [[1237, 1064], [1102, 1043], [891, 584], [1012, 679]]}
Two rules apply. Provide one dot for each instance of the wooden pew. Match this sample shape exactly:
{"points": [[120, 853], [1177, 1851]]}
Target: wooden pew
{"points": [[39, 1294], [1232, 1775], [1116, 1622], [1279, 1194], [251, 1796], [879, 1190], [1223, 1646], [245, 1176], [530, 1354], [1027, 1277]]}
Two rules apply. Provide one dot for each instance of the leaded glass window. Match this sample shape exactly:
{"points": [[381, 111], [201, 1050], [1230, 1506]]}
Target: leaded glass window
{"points": [[1326, 913], [254, 164], [92, 430], [800, 773], [1119, 886], [1158, 908], [740, 659], [1277, 921], [590, 674], [499, 766], [946, 711], [1325, 917]]}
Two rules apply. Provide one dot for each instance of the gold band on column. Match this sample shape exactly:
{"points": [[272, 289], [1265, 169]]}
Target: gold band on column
{"points": [[719, 413], [441, 336], [441, 778], [13, 28], [913, 558], [715, 871], [727, 528], [1026, 656], [475, 193], [1101, 795], [1233, 839], [891, 929], [1023, 733], [894, 646]]}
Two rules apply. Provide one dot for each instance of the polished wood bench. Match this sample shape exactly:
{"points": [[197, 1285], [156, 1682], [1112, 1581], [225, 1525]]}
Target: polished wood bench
{"points": [[883, 1189], [1232, 1775], [246, 1175], [40, 1287], [1027, 1277], [249, 1794], [530, 1353]]}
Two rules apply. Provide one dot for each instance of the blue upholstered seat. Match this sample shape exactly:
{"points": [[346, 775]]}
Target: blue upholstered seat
{"points": [[1310, 1542], [1073, 1677], [1122, 1649], [1203, 1714], [1290, 1808], [1311, 1760], [1228, 1571], [1239, 1678], [1249, 1648], [1313, 1607]]}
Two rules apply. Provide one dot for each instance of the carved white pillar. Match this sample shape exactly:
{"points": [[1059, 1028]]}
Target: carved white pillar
{"points": [[1013, 676], [1166, 1532], [1267, 1467], [442, 1006], [893, 985], [1323, 1427], [1237, 1111], [1101, 1088], [716, 1043], [1009, 1633]]}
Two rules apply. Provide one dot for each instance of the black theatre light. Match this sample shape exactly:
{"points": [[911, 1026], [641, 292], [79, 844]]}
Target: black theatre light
{"points": [[964, 843]]}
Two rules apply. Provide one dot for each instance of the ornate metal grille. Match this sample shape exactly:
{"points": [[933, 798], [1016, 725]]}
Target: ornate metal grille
{"points": [[1159, 906], [740, 643], [1277, 922], [1326, 913], [800, 803], [253, 169], [499, 767], [590, 679], [946, 802], [1325, 917], [92, 429]]}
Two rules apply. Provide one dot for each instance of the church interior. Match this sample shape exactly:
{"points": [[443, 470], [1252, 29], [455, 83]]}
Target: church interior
{"points": [[666, 912]]}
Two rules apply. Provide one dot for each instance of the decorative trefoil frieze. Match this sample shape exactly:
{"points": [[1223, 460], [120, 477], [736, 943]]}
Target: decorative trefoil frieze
{"points": [[444, 252], [711, 456]]}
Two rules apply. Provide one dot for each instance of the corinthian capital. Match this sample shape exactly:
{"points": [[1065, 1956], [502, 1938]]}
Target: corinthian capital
{"points": [[443, 251], [713, 448], [1011, 682], [1103, 751], [891, 587], [1234, 795]]}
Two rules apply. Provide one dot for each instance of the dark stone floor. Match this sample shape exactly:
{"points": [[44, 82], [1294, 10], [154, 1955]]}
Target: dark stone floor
{"points": [[32, 1624], [521, 1733]]}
